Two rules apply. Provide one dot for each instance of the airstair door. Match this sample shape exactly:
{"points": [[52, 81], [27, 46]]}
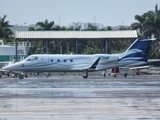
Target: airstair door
{"points": [[45, 60]]}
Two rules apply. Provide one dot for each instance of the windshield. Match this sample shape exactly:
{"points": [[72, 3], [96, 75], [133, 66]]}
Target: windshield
{"points": [[31, 58]]}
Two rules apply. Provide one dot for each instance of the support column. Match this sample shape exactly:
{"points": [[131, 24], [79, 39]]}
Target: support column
{"points": [[106, 46], [76, 46], [16, 51], [46, 46]]}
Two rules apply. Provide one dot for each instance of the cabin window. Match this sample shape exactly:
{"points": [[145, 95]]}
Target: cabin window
{"points": [[71, 60], [58, 60], [65, 60], [36, 58], [51, 60]]}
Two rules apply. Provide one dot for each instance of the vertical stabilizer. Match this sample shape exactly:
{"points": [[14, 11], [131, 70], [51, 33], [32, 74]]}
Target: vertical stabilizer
{"points": [[138, 51]]}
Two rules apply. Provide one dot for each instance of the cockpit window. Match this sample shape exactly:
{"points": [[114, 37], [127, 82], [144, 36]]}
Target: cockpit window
{"points": [[36, 58], [31, 58]]}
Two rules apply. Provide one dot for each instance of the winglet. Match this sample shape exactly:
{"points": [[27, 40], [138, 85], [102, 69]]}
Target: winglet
{"points": [[94, 65]]}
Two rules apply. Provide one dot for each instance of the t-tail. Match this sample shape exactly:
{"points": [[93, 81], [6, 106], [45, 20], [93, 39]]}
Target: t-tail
{"points": [[138, 51]]}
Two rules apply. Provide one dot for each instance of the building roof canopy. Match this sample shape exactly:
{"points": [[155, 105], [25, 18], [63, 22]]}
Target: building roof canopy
{"points": [[75, 34]]}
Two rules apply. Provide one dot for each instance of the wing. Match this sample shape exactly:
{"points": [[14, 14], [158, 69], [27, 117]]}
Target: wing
{"points": [[86, 67]]}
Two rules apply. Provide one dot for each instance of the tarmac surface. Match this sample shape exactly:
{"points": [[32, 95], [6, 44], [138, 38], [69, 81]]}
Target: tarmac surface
{"points": [[70, 97]]}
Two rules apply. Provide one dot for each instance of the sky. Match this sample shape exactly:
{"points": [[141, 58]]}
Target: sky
{"points": [[64, 12]]}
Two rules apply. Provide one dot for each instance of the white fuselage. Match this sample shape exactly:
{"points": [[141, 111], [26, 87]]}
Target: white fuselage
{"points": [[67, 63]]}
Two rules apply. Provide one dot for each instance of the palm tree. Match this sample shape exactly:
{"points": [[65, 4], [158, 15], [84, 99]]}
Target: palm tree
{"points": [[149, 25], [152, 23], [5, 30], [152, 28], [45, 25], [139, 25]]}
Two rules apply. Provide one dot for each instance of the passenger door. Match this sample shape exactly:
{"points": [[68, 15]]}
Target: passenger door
{"points": [[45, 60]]}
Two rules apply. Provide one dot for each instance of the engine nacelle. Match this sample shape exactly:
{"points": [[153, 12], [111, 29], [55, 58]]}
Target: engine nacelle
{"points": [[106, 58], [106, 61]]}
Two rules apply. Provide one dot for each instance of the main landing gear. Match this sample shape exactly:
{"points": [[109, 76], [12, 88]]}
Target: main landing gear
{"points": [[85, 74], [22, 75], [103, 73]]}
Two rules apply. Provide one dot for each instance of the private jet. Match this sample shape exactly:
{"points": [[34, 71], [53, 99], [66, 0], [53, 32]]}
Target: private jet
{"points": [[136, 53]]}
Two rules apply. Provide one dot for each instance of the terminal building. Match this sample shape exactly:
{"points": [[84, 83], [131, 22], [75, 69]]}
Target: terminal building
{"points": [[7, 51]]}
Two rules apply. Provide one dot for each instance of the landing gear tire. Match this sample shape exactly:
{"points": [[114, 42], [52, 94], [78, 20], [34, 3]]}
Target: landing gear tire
{"points": [[49, 74], [85, 74], [20, 76], [125, 74], [26, 76], [104, 75]]}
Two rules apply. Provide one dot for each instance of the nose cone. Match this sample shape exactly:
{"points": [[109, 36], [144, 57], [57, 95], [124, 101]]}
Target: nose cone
{"points": [[12, 67], [4, 68], [8, 67]]}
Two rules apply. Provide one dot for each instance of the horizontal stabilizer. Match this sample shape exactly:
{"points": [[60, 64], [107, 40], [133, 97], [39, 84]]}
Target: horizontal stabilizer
{"points": [[140, 67]]}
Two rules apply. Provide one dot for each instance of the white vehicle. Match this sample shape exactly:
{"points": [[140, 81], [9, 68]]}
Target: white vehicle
{"points": [[136, 53], [5, 72]]}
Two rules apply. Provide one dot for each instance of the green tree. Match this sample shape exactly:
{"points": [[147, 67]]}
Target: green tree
{"points": [[109, 28], [139, 25], [113, 45], [152, 23], [123, 28], [91, 50], [45, 25], [148, 25], [152, 28], [92, 27], [57, 28], [31, 28], [5, 30], [63, 28], [78, 28], [71, 28]]}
